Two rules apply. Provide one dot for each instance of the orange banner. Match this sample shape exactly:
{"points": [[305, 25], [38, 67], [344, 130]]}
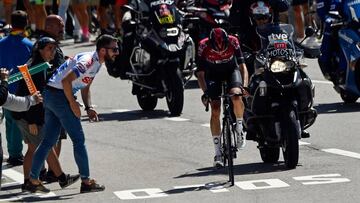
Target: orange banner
{"points": [[27, 77]]}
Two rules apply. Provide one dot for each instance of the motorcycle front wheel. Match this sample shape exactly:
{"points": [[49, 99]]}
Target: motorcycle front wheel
{"points": [[175, 94], [348, 97], [290, 136], [147, 102], [269, 154]]}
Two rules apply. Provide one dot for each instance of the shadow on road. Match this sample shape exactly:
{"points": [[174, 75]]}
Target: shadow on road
{"points": [[131, 115], [192, 84], [28, 197], [339, 107], [241, 169]]}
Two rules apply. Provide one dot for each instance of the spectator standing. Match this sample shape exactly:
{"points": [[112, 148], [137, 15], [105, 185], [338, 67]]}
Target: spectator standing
{"points": [[63, 7], [8, 4], [301, 8], [116, 7], [15, 50], [30, 122], [61, 108], [13, 103], [54, 28], [80, 10], [39, 12]]}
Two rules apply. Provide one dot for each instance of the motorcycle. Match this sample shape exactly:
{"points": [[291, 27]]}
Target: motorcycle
{"points": [[160, 55], [279, 107], [347, 84]]}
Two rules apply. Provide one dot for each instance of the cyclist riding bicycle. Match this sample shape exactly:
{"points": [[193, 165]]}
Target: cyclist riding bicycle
{"points": [[221, 59]]}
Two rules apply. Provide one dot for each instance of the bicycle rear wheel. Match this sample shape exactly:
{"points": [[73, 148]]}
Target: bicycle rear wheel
{"points": [[228, 149]]}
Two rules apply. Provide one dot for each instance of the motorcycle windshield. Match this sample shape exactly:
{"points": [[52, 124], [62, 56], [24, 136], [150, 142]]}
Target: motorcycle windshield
{"points": [[164, 12], [276, 40]]}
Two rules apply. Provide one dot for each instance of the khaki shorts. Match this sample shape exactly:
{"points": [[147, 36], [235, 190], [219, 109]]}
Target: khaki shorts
{"points": [[29, 138]]}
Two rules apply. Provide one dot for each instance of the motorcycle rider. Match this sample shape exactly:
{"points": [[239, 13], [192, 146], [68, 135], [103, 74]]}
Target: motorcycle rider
{"points": [[331, 71], [220, 58]]}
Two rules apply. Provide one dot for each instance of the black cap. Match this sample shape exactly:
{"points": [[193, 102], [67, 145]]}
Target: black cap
{"points": [[42, 42], [19, 19]]}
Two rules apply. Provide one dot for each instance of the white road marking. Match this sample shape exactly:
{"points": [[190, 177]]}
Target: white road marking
{"points": [[20, 197], [215, 189], [206, 125], [321, 179], [176, 119], [142, 194], [303, 143], [261, 184], [342, 152], [322, 82], [120, 110], [14, 175]]}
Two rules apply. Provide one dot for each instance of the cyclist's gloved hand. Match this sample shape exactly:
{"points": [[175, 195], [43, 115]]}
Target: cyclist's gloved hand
{"points": [[205, 98]]}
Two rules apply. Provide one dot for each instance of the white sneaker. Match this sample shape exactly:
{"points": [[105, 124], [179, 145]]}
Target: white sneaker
{"points": [[218, 161], [241, 140]]}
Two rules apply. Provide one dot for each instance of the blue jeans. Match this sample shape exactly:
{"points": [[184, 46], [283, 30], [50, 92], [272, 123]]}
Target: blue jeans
{"points": [[58, 113]]}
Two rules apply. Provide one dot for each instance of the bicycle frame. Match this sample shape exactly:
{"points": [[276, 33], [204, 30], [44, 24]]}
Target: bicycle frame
{"points": [[228, 140]]}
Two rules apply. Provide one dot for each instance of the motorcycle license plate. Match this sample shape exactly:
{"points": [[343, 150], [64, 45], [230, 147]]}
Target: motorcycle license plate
{"points": [[166, 20]]}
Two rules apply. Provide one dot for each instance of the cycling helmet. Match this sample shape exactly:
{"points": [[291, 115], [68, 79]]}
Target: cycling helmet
{"points": [[260, 10], [219, 39]]}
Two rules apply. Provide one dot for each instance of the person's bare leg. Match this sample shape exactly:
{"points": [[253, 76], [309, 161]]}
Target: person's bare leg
{"points": [[298, 21], [28, 159], [8, 11]]}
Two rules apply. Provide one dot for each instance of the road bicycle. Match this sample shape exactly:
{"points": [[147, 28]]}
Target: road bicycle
{"points": [[228, 140]]}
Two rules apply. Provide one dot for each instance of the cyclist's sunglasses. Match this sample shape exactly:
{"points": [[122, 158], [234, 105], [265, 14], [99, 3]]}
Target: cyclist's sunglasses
{"points": [[114, 49]]}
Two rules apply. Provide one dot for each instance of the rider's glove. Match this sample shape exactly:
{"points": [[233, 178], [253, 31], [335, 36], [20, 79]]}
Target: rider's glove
{"points": [[205, 98]]}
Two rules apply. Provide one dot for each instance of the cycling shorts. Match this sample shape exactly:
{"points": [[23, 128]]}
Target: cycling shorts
{"points": [[213, 82], [299, 2], [37, 2]]}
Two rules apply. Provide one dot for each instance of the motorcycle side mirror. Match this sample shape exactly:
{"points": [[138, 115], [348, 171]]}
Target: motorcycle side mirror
{"points": [[129, 8], [309, 31]]}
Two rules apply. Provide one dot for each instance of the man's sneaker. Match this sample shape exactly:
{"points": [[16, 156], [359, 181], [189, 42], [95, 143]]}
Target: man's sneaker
{"points": [[92, 187], [218, 161], [40, 188], [70, 179]]}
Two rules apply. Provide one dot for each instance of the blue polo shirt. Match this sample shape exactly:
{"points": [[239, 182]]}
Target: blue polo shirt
{"points": [[14, 50]]}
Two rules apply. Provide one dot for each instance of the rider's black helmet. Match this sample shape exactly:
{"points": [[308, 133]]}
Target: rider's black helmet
{"points": [[219, 39]]}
